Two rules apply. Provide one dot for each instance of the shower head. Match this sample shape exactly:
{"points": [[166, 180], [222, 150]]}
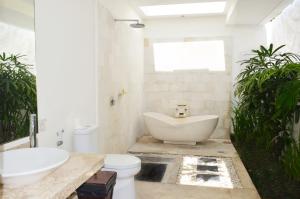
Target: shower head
{"points": [[137, 23]]}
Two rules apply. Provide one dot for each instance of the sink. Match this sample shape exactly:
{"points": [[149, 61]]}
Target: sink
{"points": [[26, 166]]}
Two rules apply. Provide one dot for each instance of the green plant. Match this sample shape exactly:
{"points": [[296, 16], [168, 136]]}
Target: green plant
{"points": [[291, 160], [268, 93], [17, 97], [265, 102]]}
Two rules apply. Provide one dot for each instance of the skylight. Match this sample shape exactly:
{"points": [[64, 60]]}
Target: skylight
{"points": [[184, 9]]}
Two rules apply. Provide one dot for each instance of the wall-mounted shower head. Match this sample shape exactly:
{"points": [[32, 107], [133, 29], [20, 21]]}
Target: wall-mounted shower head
{"points": [[137, 23]]}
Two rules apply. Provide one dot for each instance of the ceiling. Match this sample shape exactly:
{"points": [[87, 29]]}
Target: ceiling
{"points": [[237, 12], [254, 12]]}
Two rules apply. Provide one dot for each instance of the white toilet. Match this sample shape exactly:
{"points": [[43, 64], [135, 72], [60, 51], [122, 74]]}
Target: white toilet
{"points": [[126, 166]]}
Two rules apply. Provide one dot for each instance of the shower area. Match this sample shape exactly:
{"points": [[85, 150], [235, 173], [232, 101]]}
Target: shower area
{"points": [[119, 77]]}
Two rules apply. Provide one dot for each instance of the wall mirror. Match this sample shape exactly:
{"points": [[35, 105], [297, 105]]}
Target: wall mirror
{"points": [[17, 68]]}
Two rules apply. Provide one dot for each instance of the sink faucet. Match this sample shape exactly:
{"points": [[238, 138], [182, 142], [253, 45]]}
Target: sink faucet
{"points": [[33, 129]]}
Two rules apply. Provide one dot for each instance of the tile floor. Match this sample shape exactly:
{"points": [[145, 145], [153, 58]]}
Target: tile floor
{"points": [[211, 169]]}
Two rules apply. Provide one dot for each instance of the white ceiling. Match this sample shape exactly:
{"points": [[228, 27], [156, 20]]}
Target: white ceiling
{"points": [[254, 12], [237, 12]]}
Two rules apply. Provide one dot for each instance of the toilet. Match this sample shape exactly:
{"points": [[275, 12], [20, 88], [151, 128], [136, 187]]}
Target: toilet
{"points": [[126, 166]]}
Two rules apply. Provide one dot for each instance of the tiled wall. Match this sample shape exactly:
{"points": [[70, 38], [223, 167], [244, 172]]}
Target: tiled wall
{"points": [[206, 92], [120, 68]]}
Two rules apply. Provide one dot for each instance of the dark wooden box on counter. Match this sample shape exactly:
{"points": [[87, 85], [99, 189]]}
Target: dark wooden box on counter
{"points": [[99, 186]]}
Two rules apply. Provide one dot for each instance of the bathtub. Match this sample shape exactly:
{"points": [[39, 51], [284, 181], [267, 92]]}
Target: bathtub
{"points": [[180, 130]]}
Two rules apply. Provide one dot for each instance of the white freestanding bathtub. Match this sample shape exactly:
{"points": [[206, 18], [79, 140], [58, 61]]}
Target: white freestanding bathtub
{"points": [[187, 130]]}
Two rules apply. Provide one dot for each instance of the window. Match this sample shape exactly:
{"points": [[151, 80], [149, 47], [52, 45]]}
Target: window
{"points": [[170, 56], [184, 9]]}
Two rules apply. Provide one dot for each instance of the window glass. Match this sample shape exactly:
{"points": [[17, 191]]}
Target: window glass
{"points": [[170, 56]]}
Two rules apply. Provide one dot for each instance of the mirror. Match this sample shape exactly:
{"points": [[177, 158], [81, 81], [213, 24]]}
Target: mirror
{"points": [[17, 68]]}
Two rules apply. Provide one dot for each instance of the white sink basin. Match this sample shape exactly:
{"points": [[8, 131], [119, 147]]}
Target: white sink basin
{"points": [[26, 166]]}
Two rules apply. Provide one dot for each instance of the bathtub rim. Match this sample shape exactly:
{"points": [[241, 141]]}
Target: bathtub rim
{"points": [[179, 121]]}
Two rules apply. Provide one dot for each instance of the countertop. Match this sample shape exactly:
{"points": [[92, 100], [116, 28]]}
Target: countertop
{"points": [[62, 182]]}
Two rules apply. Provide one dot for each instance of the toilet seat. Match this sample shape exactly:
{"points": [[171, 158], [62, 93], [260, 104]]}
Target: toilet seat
{"points": [[121, 162]]}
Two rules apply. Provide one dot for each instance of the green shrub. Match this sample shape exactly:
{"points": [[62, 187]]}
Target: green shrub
{"points": [[268, 92], [17, 97], [291, 160]]}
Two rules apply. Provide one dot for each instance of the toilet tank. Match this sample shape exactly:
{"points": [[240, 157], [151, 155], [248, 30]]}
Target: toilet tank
{"points": [[85, 139]]}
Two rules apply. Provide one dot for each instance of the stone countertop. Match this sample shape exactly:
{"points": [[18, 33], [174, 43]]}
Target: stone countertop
{"points": [[62, 182]]}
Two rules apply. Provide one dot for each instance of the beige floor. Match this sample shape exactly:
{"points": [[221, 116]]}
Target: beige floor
{"points": [[217, 148]]}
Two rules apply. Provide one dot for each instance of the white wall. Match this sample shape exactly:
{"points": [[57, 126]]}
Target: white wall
{"points": [[245, 38], [66, 67], [120, 68], [206, 92], [285, 28], [83, 59]]}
